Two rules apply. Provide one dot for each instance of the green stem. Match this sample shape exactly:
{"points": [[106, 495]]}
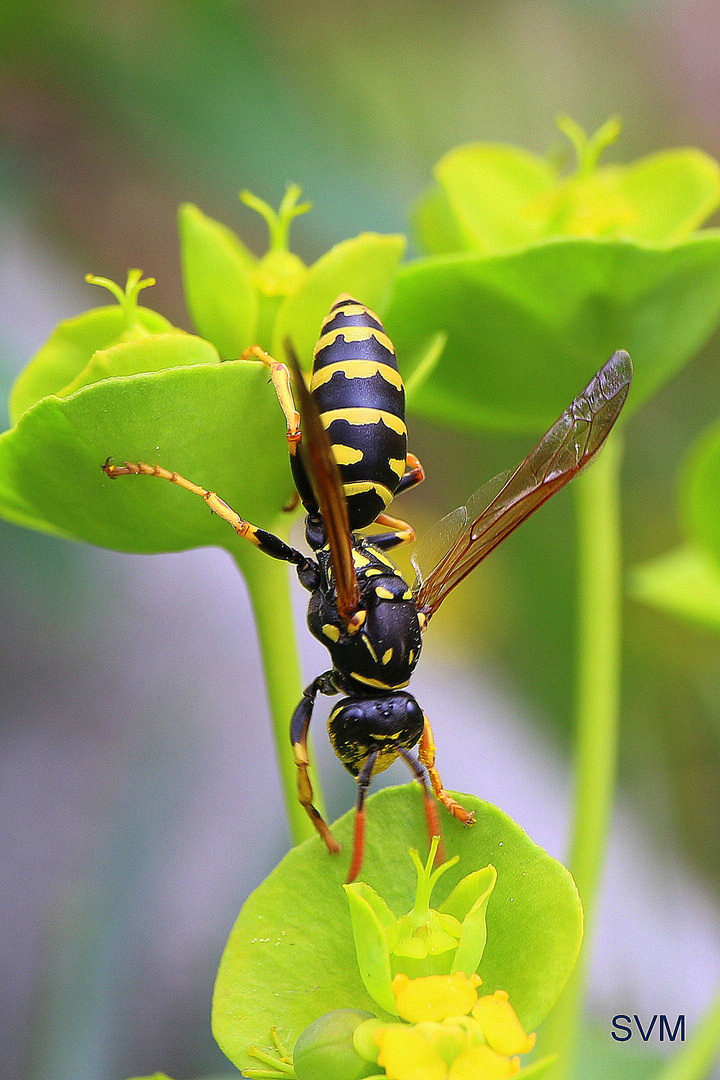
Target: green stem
{"points": [[269, 588], [700, 1052], [598, 698]]}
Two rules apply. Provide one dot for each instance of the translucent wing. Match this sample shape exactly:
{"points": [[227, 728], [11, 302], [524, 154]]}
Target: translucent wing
{"points": [[493, 514], [322, 468]]}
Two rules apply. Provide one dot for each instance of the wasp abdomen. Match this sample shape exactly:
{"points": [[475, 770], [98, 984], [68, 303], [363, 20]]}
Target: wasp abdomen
{"points": [[361, 399]]}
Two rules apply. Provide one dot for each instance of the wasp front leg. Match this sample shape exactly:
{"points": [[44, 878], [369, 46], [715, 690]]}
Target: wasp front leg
{"points": [[280, 377], [427, 756], [298, 737]]}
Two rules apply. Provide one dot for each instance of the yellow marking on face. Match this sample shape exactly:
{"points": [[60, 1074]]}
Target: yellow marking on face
{"points": [[356, 621], [331, 632], [411, 656], [369, 646], [384, 759], [397, 465], [407, 595], [359, 559], [383, 593], [346, 455], [354, 333], [377, 683], [387, 656], [422, 619], [361, 486], [357, 417], [374, 572], [357, 369]]}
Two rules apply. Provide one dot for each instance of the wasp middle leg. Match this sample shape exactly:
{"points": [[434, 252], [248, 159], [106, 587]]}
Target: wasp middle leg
{"points": [[298, 737]]}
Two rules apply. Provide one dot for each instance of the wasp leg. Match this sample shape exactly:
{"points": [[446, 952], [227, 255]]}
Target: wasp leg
{"points": [[363, 783], [298, 737], [414, 474], [431, 813], [267, 542], [427, 756], [402, 533], [280, 375]]}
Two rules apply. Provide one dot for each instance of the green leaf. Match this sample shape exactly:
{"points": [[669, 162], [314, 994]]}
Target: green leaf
{"points": [[471, 895], [672, 194], [699, 493], [217, 275], [153, 353], [363, 266], [368, 917], [291, 955], [434, 224], [490, 190], [685, 583], [526, 331], [69, 349], [217, 424], [537, 1068]]}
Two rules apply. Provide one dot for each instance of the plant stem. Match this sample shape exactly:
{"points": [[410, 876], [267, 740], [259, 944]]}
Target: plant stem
{"points": [[700, 1052], [598, 697], [269, 589]]}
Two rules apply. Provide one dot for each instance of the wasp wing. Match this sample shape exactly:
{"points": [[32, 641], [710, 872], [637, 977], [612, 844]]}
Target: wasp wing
{"points": [[568, 446], [327, 483]]}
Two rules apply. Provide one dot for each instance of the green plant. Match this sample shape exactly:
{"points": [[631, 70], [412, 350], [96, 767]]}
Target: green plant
{"points": [[523, 265]]}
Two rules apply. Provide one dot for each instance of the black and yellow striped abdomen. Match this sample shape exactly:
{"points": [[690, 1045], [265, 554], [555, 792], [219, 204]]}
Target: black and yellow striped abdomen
{"points": [[361, 398]]}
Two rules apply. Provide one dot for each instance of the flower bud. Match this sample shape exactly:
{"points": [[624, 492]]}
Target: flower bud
{"points": [[325, 1048]]}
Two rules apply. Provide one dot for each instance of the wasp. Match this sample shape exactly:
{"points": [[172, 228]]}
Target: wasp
{"points": [[349, 459]]}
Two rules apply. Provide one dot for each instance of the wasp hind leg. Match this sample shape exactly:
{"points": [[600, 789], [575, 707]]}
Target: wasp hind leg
{"points": [[267, 542], [414, 474], [298, 737], [402, 533], [427, 756]]}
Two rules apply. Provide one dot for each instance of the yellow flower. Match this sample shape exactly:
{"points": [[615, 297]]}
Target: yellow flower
{"points": [[434, 997], [443, 1042], [500, 1025]]}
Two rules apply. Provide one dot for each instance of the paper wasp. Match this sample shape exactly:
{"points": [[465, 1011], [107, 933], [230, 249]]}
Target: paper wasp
{"points": [[349, 460]]}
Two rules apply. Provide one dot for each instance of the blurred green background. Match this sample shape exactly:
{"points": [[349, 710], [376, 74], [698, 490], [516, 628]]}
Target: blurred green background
{"points": [[138, 798]]}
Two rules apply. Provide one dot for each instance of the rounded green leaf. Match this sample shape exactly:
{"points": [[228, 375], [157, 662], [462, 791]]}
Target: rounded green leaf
{"points": [[672, 193], [491, 190], [291, 955], [152, 353], [434, 224], [69, 349], [363, 266], [218, 424], [684, 583], [217, 275], [527, 330]]}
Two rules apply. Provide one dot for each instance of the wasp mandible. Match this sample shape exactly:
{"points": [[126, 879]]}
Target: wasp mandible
{"points": [[349, 459]]}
